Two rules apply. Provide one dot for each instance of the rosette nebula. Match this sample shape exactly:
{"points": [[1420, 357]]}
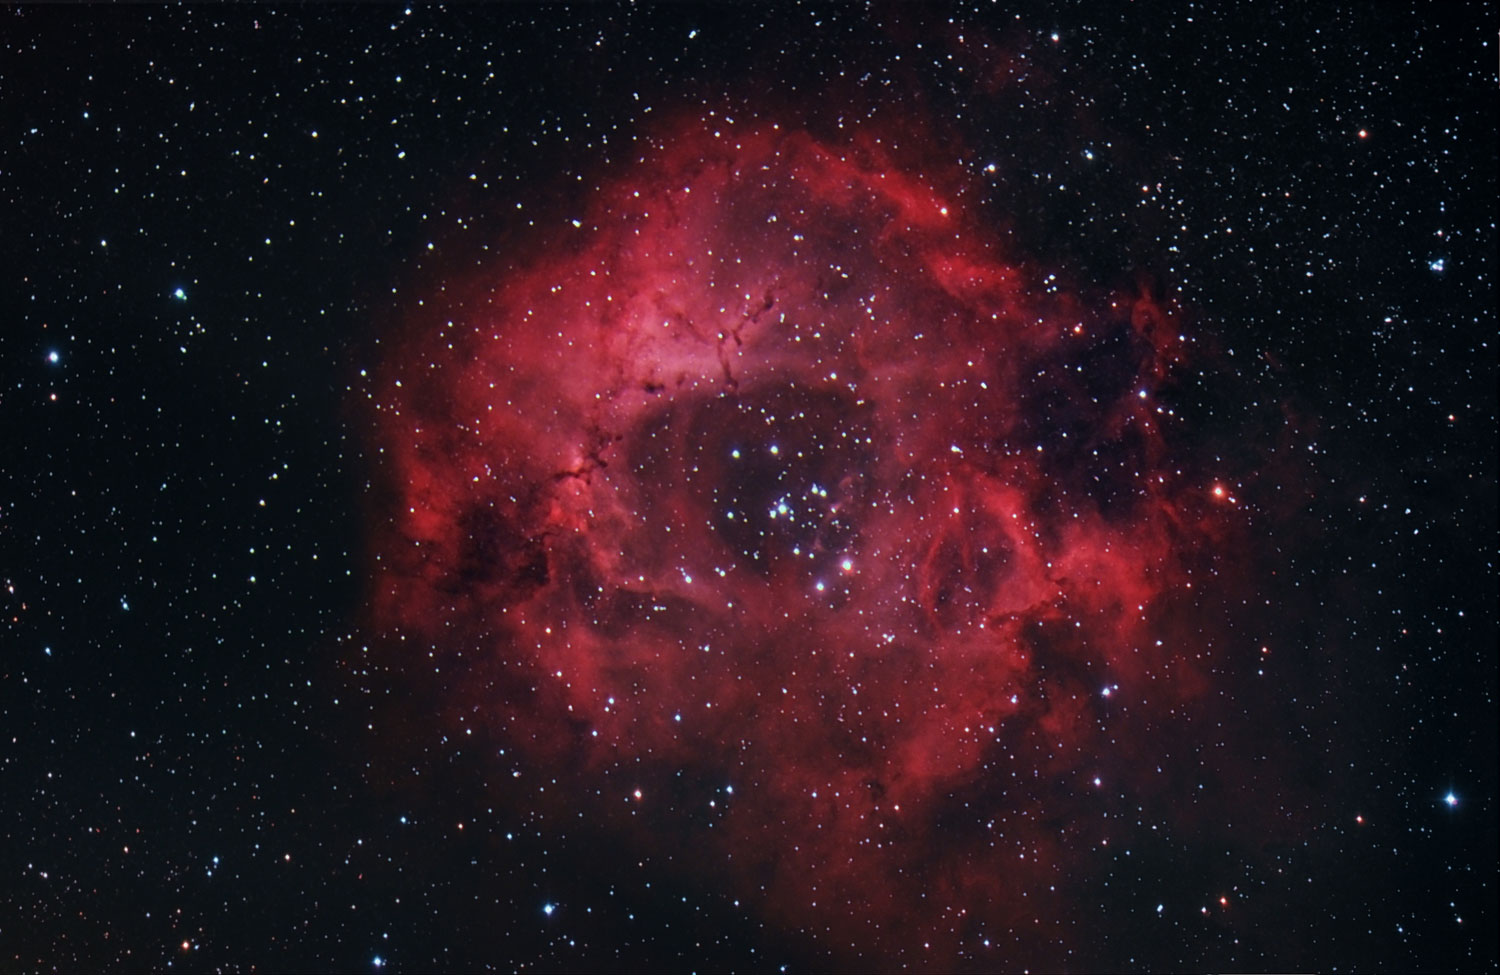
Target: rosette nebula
{"points": [[803, 537]]}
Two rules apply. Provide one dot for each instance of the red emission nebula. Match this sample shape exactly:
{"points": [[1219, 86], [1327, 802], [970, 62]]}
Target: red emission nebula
{"points": [[801, 537]]}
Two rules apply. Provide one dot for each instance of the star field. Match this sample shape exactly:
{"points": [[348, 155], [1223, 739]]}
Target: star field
{"points": [[771, 488]]}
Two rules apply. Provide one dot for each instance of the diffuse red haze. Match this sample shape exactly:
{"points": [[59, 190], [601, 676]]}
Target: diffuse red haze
{"points": [[776, 483]]}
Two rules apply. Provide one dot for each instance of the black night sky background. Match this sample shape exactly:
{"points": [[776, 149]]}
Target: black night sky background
{"points": [[242, 727]]}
